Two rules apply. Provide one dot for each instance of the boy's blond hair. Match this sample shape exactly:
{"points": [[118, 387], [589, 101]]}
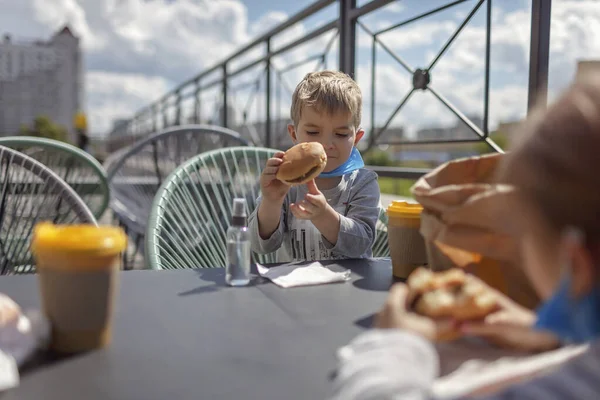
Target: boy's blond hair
{"points": [[330, 92]]}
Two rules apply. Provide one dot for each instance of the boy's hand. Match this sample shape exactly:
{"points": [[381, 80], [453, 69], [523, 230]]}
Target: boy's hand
{"points": [[273, 190], [313, 206]]}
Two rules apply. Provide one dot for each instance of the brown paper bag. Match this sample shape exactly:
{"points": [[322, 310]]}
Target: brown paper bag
{"points": [[463, 210]]}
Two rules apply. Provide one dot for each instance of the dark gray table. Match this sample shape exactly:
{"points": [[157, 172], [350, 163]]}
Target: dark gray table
{"points": [[185, 335]]}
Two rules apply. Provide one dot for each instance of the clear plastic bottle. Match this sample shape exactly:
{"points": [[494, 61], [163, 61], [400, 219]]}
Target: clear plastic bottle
{"points": [[237, 270]]}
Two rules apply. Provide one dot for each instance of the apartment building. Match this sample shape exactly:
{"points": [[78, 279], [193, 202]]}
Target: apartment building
{"points": [[41, 77]]}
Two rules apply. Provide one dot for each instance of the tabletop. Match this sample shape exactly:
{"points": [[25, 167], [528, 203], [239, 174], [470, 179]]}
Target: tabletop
{"points": [[184, 334]]}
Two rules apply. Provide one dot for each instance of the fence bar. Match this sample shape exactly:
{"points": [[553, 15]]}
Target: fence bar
{"points": [[399, 172], [347, 25], [486, 88], [225, 95], [541, 14], [268, 99]]}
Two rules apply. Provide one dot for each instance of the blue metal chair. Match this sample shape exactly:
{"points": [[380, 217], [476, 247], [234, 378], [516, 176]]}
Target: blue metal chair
{"points": [[135, 174], [30, 192]]}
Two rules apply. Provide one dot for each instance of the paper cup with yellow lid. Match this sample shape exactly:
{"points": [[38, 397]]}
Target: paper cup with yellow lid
{"points": [[78, 268], [407, 247]]}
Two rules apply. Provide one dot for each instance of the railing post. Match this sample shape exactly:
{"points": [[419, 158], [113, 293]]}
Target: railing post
{"points": [[347, 37], [178, 108], [154, 118], [165, 117], [541, 13], [224, 95], [268, 97], [197, 101]]}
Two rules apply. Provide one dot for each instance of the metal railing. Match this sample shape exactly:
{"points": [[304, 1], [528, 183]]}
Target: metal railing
{"points": [[270, 77]]}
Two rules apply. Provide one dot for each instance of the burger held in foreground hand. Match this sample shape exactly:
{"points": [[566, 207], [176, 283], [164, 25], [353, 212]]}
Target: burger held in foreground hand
{"points": [[302, 163], [450, 295]]}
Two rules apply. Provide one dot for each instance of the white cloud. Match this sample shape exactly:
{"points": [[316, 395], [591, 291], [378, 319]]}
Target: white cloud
{"points": [[459, 74], [419, 34], [59, 12], [395, 7], [126, 40], [115, 95], [136, 50], [268, 21]]}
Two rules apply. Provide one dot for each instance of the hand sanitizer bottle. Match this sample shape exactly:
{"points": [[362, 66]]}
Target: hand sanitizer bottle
{"points": [[237, 270]]}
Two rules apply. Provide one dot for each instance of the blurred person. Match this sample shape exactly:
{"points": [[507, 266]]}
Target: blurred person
{"points": [[557, 214]]}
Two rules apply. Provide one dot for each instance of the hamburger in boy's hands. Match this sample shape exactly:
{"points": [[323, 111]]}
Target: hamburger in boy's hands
{"points": [[302, 163], [449, 295]]}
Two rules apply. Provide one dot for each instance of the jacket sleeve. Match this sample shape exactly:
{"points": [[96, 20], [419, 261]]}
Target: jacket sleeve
{"points": [[271, 244], [357, 228], [386, 364]]}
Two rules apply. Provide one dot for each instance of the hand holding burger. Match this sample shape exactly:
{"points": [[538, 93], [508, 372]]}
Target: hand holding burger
{"points": [[273, 189], [435, 304], [301, 164]]}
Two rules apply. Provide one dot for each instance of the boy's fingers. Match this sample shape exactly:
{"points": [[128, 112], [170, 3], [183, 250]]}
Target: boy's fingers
{"points": [[312, 187], [299, 212], [270, 170], [279, 154], [274, 162], [497, 330], [500, 317], [301, 208], [397, 296], [482, 329], [308, 206]]}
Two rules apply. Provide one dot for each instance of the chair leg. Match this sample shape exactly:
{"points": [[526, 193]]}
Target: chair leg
{"points": [[124, 256], [136, 248]]}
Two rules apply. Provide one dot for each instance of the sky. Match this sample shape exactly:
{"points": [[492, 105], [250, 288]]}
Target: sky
{"points": [[136, 50]]}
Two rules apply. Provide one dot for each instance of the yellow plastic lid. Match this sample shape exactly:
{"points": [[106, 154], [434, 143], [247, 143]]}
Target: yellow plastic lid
{"points": [[100, 240], [404, 209]]}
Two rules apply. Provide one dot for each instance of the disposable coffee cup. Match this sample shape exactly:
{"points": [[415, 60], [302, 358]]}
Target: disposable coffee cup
{"points": [[78, 271], [407, 246]]}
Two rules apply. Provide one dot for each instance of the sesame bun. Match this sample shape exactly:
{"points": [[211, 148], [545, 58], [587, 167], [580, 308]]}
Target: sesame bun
{"points": [[452, 295], [302, 163]]}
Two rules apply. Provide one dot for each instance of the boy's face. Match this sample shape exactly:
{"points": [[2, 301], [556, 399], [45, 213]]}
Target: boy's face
{"points": [[336, 133]]}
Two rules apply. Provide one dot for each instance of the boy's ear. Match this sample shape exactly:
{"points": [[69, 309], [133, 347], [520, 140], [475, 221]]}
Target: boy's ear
{"points": [[359, 135], [292, 132]]}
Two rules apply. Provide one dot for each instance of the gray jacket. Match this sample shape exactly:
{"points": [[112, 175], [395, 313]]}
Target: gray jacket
{"points": [[356, 198]]}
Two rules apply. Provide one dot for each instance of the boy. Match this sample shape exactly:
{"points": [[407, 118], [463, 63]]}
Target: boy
{"points": [[333, 216]]}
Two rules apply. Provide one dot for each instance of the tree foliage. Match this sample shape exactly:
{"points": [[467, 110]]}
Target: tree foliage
{"points": [[498, 137], [378, 157], [43, 127]]}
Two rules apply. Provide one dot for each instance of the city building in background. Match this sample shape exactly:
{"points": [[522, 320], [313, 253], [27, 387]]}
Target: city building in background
{"points": [[42, 77]]}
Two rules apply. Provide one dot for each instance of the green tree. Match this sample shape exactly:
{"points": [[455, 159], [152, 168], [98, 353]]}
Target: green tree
{"points": [[499, 138], [43, 127], [378, 157]]}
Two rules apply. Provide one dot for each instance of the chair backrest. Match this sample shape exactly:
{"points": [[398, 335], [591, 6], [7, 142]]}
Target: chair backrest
{"points": [[380, 247], [192, 210], [30, 192], [135, 177], [79, 169]]}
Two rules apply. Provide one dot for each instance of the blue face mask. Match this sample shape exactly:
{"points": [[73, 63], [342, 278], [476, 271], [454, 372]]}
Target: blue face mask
{"points": [[353, 163], [572, 320]]}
